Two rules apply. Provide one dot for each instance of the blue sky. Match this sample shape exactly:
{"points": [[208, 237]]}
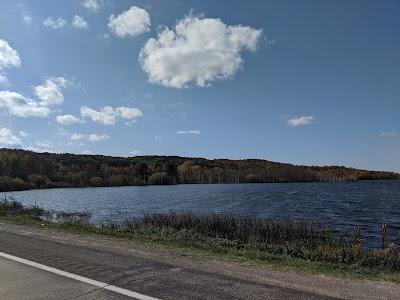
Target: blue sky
{"points": [[304, 82]]}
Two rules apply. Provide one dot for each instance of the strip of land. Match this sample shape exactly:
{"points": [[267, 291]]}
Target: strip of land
{"points": [[22, 170], [159, 273]]}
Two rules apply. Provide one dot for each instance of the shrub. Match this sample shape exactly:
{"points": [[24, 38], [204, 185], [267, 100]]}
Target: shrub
{"points": [[96, 181], [160, 178]]}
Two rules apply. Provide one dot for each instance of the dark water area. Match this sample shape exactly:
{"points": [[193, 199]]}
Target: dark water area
{"points": [[367, 204]]}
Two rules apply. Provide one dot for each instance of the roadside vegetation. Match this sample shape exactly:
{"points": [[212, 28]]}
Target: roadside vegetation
{"points": [[21, 170], [300, 245]]}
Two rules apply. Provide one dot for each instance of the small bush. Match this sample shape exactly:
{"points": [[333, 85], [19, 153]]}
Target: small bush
{"points": [[10, 207], [76, 217]]}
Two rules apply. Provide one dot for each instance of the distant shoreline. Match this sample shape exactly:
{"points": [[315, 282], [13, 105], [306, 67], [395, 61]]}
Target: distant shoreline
{"points": [[182, 184], [26, 170]]}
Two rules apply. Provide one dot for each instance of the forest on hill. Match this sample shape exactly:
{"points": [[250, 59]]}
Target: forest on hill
{"points": [[20, 170]]}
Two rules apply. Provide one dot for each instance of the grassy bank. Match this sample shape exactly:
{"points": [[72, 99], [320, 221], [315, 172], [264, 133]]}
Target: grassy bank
{"points": [[287, 244]]}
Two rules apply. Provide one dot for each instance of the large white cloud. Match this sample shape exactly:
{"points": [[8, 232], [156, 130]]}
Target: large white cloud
{"points": [[197, 51], [303, 120], [131, 22], [9, 58], [20, 106], [7, 138], [49, 93], [68, 119], [108, 115]]}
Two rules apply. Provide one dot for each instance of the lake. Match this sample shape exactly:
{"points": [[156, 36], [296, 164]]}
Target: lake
{"points": [[366, 203]]}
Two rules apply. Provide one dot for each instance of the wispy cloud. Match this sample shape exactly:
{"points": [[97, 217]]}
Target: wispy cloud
{"points": [[23, 133], [93, 137], [54, 23], [303, 120], [192, 131], [390, 133], [172, 105], [134, 152], [93, 5], [27, 19]]}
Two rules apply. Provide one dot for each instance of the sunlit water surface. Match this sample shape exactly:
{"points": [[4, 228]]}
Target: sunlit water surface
{"points": [[367, 203]]}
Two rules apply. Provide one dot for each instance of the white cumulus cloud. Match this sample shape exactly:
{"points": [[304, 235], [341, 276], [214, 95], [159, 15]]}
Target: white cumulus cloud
{"points": [[131, 22], [96, 137], [105, 116], [303, 120], [68, 119], [108, 115], [9, 58], [7, 138], [193, 131], [49, 93], [79, 22], [54, 23], [198, 50], [20, 106], [77, 136], [93, 137], [129, 112]]}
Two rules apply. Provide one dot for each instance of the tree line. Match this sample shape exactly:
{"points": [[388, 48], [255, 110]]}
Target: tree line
{"points": [[20, 169]]}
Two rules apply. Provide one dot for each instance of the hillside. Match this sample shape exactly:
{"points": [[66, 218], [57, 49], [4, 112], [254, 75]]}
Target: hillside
{"points": [[20, 169]]}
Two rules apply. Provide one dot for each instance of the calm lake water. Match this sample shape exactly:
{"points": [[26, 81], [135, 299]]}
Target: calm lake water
{"points": [[367, 203]]}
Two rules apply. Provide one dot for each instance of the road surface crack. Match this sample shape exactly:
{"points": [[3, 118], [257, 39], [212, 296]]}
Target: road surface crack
{"points": [[88, 292]]}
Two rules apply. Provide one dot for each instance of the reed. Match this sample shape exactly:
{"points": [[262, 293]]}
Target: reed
{"points": [[256, 238], [242, 229]]}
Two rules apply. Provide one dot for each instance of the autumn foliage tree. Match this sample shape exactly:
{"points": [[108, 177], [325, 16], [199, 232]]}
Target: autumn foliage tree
{"points": [[21, 170]]}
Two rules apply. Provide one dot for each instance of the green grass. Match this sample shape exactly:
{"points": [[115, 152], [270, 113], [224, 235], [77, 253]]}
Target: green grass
{"points": [[313, 251]]}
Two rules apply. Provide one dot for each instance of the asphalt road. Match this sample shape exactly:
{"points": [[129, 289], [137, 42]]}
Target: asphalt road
{"points": [[153, 273], [19, 281]]}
